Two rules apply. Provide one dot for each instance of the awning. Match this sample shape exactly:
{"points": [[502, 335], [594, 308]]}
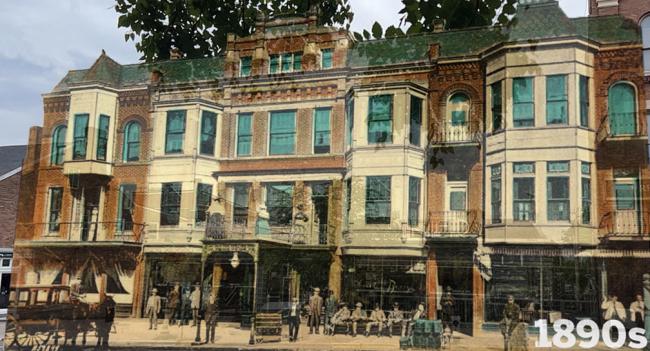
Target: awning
{"points": [[566, 252], [605, 253]]}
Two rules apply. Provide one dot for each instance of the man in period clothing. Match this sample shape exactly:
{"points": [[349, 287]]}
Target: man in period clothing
{"points": [[417, 315], [211, 314], [174, 304], [315, 306], [396, 316], [153, 308], [511, 312], [447, 304], [195, 303], [613, 309], [377, 318], [105, 322], [358, 315], [637, 312], [294, 319], [340, 318], [330, 309]]}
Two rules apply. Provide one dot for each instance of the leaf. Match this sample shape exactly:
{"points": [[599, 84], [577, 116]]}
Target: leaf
{"points": [[366, 35], [358, 36], [377, 31]]}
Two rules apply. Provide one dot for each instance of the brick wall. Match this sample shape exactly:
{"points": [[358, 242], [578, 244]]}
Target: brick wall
{"points": [[9, 188], [632, 9]]}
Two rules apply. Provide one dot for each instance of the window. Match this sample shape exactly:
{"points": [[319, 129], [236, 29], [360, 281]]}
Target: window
{"points": [[414, 201], [208, 132], [584, 101], [497, 106], [459, 109], [622, 109], [203, 200], [415, 121], [54, 217], [282, 139], [557, 103], [349, 116], [244, 134], [645, 34], [326, 58], [322, 130], [170, 204], [348, 200], [378, 200], [102, 137], [175, 132], [458, 200], [274, 64], [245, 65], [557, 191], [557, 167], [586, 192], [125, 207], [58, 145], [80, 137], [495, 193], [279, 203], [297, 62], [240, 204], [626, 195], [524, 191], [523, 102], [380, 124], [131, 150], [288, 62]]}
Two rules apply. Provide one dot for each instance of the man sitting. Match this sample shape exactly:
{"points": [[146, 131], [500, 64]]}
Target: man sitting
{"points": [[358, 315], [417, 315], [377, 318], [340, 318], [396, 316]]}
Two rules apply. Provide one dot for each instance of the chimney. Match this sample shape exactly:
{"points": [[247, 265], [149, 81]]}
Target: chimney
{"points": [[175, 54], [312, 15], [438, 25]]}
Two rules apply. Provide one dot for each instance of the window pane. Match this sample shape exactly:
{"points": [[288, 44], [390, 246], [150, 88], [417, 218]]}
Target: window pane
{"points": [[58, 145], [585, 168], [297, 62], [80, 137], [102, 137], [54, 218], [287, 62], [208, 132], [132, 142], [524, 107], [240, 204], [279, 203], [497, 106], [322, 131], [378, 200], [175, 132], [457, 201], [495, 192], [415, 121], [125, 207], [557, 193], [327, 58], [586, 200], [625, 196], [170, 204], [380, 126], [414, 201], [244, 136], [203, 200], [622, 109], [245, 66], [524, 199], [584, 101], [524, 167], [282, 133], [554, 167], [274, 64]]}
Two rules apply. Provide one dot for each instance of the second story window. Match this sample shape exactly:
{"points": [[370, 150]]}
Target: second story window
{"points": [[80, 137], [131, 150], [54, 213], [523, 192], [557, 102], [175, 132], [523, 102], [322, 131], [495, 193], [645, 34], [585, 170], [58, 145], [279, 203], [497, 106], [208, 132], [245, 66], [203, 199], [102, 137], [378, 205], [380, 119], [458, 109], [240, 204], [282, 133], [125, 207], [414, 201], [415, 121], [349, 117], [584, 101], [622, 109], [557, 191], [326, 58], [170, 204], [244, 134]]}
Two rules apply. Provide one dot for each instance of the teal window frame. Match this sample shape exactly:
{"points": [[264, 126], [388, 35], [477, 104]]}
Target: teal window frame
{"points": [[57, 152], [584, 101], [203, 200], [415, 120], [380, 122], [459, 117], [240, 203], [282, 133], [244, 134], [622, 109], [54, 210], [274, 64], [523, 100], [170, 203], [322, 130], [208, 133], [175, 132], [497, 106], [495, 193], [378, 200], [414, 201], [245, 66], [557, 167], [125, 207], [131, 147], [326, 58], [557, 99], [80, 136], [627, 195], [103, 129], [558, 198], [286, 63], [279, 203], [297, 61]]}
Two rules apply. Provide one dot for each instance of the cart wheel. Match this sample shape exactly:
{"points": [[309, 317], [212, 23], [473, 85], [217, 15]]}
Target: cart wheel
{"points": [[38, 338]]}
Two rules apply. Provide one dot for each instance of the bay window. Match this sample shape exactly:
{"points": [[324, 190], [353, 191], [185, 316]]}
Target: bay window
{"points": [[378, 193], [523, 102], [380, 119]]}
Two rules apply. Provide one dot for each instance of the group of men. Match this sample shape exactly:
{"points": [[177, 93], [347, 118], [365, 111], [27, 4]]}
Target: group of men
{"points": [[614, 309]]}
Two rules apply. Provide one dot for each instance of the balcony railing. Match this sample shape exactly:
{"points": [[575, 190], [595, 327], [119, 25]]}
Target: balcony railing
{"points": [[621, 224], [83, 231], [618, 125], [454, 223], [239, 228], [455, 133]]}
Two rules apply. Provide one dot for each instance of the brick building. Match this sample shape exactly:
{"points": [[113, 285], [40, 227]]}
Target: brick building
{"points": [[486, 160]]}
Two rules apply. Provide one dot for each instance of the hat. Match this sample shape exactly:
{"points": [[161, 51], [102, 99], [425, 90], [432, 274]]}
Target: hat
{"points": [[359, 304], [316, 289], [396, 304], [154, 290], [341, 304]]}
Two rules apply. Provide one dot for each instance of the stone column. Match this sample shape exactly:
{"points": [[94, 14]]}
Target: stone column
{"points": [[336, 270], [478, 300], [432, 285]]}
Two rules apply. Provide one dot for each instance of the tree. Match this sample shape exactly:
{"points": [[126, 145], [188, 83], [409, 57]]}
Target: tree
{"points": [[199, 28]]}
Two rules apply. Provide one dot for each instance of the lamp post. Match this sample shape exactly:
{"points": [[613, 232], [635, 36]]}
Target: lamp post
{"points": [[197, 338]]}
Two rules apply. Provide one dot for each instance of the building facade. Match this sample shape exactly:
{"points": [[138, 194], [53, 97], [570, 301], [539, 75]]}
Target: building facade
{"points": [[488, 160]]}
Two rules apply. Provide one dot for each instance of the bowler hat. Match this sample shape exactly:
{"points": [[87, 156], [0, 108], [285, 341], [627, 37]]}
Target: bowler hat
{"points": [[359, 304]]}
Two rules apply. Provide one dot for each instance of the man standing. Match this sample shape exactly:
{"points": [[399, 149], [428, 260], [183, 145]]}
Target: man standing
{"points": [[377, 318], [211, 314], [105, 322], [358, 315], [315, 306], [294, 319], [195, 304], [447, 304], [174, 303], [153, 308], [396, 316], [330, 309], [511, 312]]}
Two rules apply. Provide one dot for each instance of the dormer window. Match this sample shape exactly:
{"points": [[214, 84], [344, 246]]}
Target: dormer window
{"points": [[285, 63], [245, 66]]}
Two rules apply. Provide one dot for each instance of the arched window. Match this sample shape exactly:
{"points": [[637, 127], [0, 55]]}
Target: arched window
{"points": [[622, 109], [458, 108], [645, 34], [58, 145], [131, 142]]}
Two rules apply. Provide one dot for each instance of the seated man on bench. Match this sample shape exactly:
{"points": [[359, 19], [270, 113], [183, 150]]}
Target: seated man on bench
{"points": [[340, 318], [358, 315], [377, 318], [417, 315], [396, 316]]}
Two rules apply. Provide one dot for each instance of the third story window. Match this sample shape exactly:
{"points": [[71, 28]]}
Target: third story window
{"points": [[80, 137], [326, 58], [245, 65], [131, 150], [54, 216], [523, 102], [170, 204], [125, 207], [102, 137], [414, 201], [322, 130], [208, 132], [203, 199], [586, 193], [380, 119], [497, 106], [415, 121], [58, 145], [557, 104], [279, 204], [378, 200], [244, 134], [175, 132], [495, 193], [584, 101]]}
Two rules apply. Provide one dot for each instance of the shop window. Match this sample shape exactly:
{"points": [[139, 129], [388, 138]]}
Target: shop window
{"points": [[208, 132], [125, 207], [102, 137], [586, 192], [170, 204], [175, 132], [80, 137], [245, 65], [326, 58], [244, 134], [279, 204], [523, 102], [282, 133], [414, 201], [58, 145], [322, 130], [131, 150], [495, 193], [622, 109], [415, 121], [54, 215], [240, 204], [380, 119], [378, 192], [203, 199], [584, 101], [497, 106], [557, 101]]}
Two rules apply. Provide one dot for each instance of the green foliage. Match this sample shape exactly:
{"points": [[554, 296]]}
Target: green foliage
{"points": [[199, 28]]}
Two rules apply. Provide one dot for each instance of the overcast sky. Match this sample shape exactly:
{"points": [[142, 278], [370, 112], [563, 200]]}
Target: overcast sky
{"points": [[42, 40]]}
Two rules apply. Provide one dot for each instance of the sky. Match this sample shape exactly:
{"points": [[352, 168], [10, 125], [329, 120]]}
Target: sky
{"points": [[50, 37]]}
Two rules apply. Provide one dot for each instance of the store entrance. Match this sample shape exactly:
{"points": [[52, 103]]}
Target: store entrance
{"points": [[232, 284], [455, 276]]}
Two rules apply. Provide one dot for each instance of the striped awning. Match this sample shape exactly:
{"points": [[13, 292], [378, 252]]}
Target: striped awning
{"points": [[566, 252]]}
